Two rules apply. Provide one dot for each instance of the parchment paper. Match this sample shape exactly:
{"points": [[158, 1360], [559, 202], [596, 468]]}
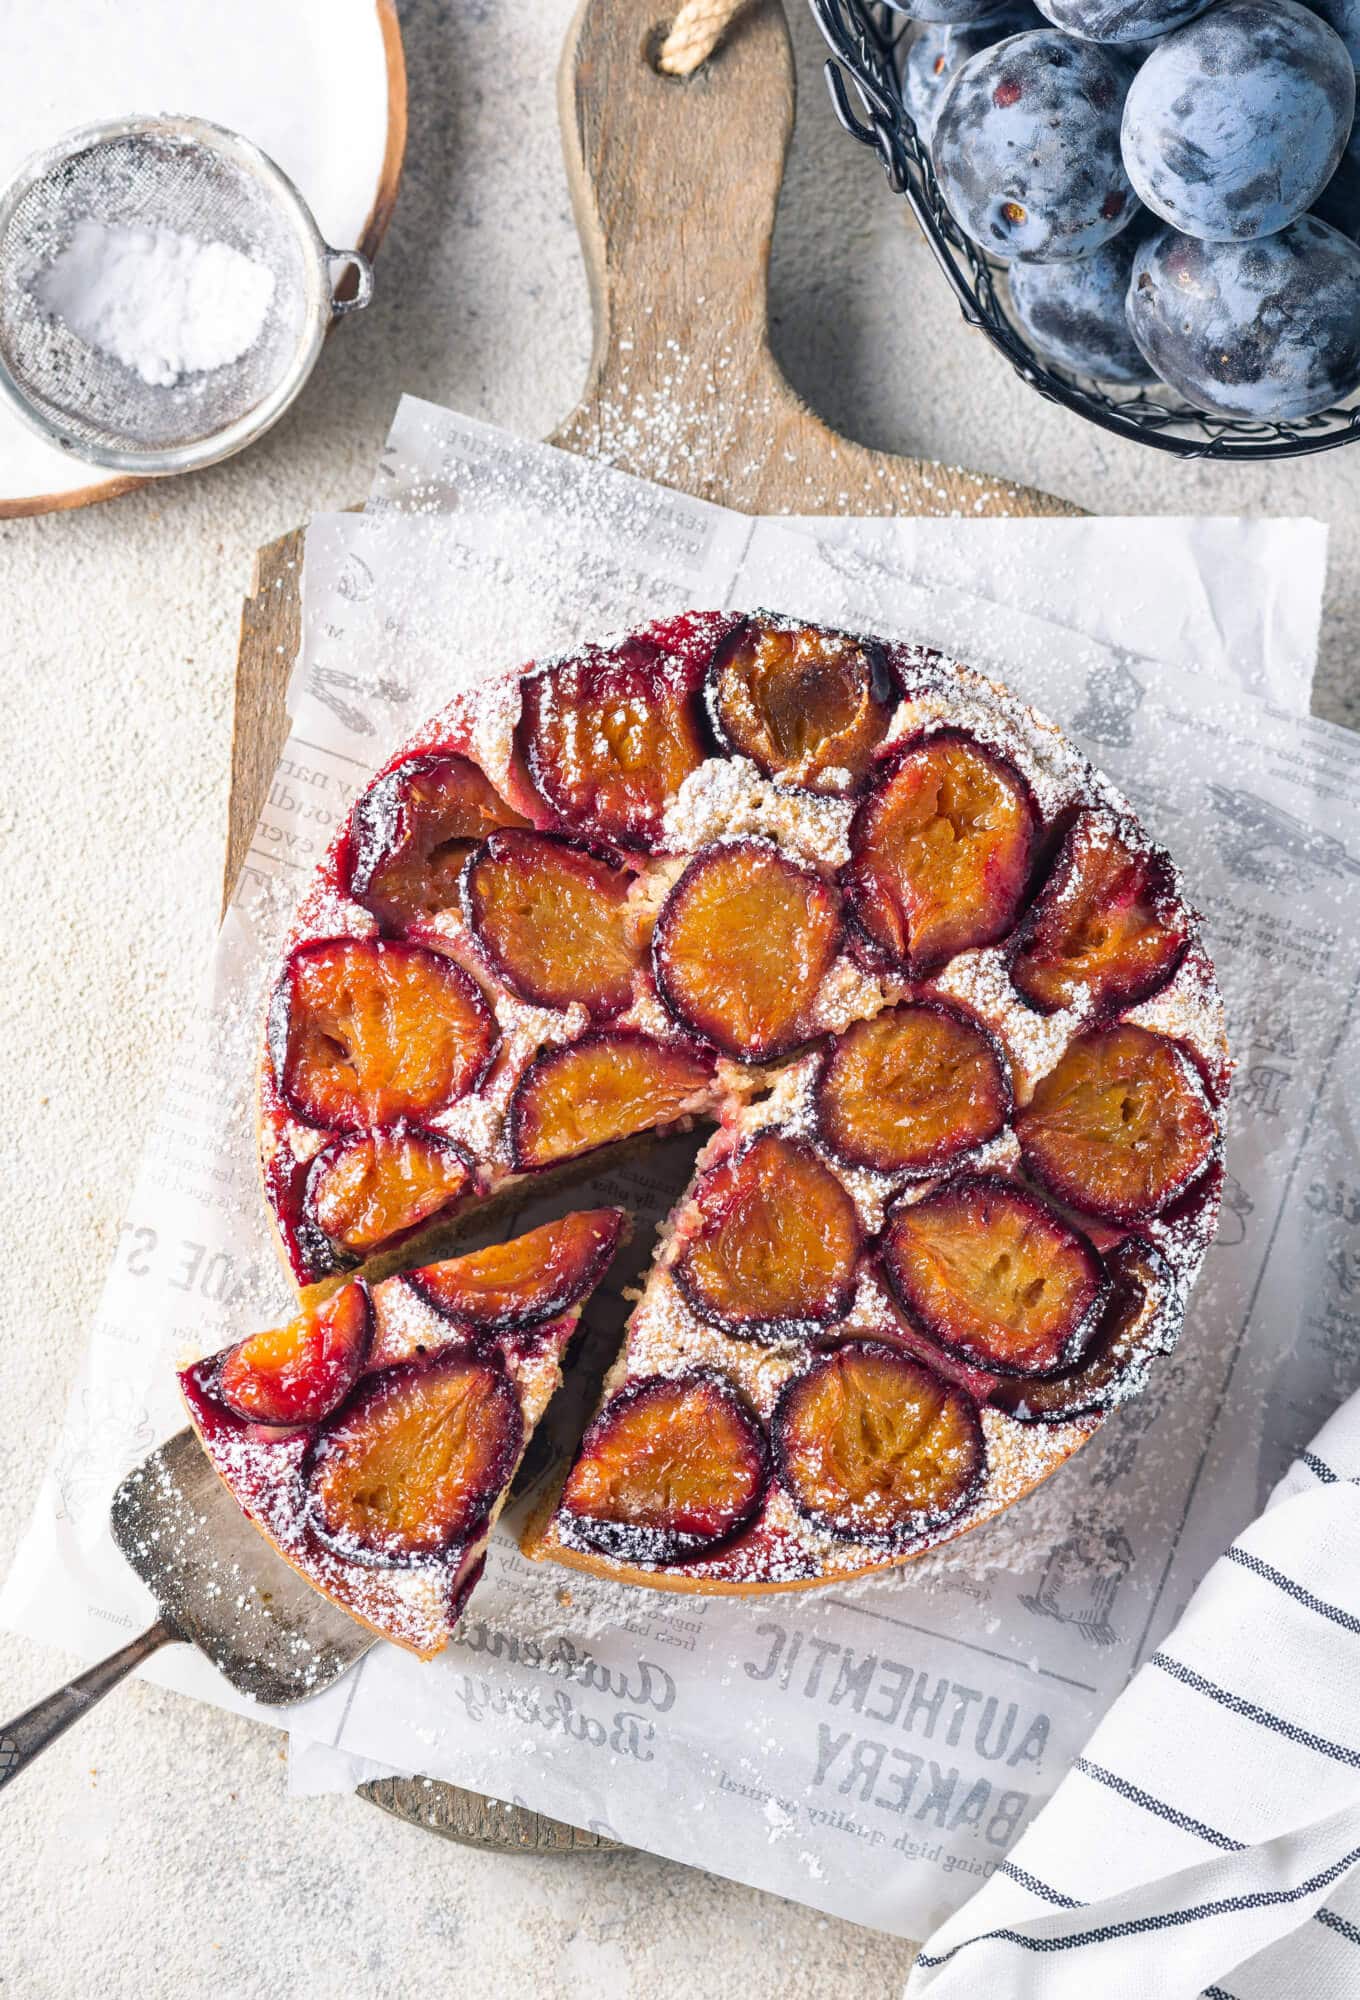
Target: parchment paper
{"points": [[872, 1749]]}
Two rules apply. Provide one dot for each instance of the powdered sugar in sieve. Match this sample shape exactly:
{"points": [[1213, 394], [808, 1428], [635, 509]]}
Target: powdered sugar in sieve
{"points": [[153, 204]]}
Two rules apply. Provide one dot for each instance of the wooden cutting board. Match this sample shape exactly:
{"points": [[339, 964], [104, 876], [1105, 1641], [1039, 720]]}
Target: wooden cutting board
{"points": [[674, 186]]}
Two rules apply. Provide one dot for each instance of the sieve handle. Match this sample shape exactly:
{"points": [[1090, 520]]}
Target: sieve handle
{"points": [[351, 260]]}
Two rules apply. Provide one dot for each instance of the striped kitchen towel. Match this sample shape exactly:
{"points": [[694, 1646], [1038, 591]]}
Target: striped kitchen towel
{"points": [[1207, 1841]]}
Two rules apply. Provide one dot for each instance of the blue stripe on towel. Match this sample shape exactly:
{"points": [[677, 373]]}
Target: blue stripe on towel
{"points": [[1038, 1888], [1349, 1931], [1138, 1797], [1255, 1899], [1346, 1619], [1340, 1751]]}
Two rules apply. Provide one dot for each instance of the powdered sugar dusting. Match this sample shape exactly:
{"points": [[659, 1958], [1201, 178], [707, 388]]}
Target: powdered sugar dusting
{"points": [[729, 796]]}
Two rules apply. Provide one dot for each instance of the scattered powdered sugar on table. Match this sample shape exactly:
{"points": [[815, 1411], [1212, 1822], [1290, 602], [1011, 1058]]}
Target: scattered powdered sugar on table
{"points": [[164, 304]]}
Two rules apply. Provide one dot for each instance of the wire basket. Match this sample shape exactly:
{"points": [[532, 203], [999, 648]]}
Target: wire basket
{"points": [[867, 41]]}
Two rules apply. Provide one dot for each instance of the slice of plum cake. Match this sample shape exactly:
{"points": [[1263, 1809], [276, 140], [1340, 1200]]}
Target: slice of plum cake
{"points": [[871, 918], [372, 1440]]}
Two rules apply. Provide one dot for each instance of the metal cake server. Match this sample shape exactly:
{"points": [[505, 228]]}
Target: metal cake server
{"points": [[219, 1586]]}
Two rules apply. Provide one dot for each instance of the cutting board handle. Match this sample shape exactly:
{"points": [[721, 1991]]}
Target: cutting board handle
{"points": [[675, 183]]}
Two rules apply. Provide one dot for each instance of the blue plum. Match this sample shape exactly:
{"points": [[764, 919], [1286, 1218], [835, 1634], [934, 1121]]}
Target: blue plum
{"points": [[1267, 329], [1344, 17], [1073, 312], [1234, 125], [940, 48], [1121, 21], [1026, 147], [956, 11]]}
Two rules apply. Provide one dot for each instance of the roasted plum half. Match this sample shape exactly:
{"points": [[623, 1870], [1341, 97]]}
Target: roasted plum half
{"points": [[941, 851], [807, 707], [773, 1253], [742, 945], [367, 1188], [911, 1089], [873, 1446], [297, 1374], [671, 1469], [1107, 928], [553, 920], [995, 1275], [604, 1087], [412, 1466], [366, 1031], [609, 738], [1119, 1126], [513, 1286], [1140, 1320], [412, 831]]}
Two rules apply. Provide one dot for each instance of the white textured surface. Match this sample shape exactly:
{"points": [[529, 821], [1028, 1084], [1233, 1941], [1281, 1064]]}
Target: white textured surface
{"points": [[154, 1852]]}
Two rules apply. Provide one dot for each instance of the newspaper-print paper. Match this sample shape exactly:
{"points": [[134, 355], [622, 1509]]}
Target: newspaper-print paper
{"points": [[870, 1749]]}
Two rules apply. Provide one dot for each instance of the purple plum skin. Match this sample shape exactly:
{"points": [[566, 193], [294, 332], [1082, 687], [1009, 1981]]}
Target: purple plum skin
{"points": [[1073, 312], [1121, 21], [1026, 147], [1234, 125], [1268, 329], [941, 47]]}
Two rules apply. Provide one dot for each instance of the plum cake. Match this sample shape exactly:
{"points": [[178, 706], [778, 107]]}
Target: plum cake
{"points": [[373, 1438], [874, 922]]}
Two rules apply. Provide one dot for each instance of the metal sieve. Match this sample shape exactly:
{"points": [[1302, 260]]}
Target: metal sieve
{"points": [[199, 180]]}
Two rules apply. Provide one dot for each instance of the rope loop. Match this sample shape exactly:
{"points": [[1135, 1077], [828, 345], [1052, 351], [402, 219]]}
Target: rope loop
{"points": [[695, 33]]}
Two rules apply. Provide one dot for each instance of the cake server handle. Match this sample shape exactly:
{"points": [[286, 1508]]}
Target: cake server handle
{"points": [[30, 1733]]}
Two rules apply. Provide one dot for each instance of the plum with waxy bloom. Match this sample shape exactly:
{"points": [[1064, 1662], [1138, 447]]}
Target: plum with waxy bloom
{"points": [[1026, 147], [1268, 329], [1235, 124]]}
